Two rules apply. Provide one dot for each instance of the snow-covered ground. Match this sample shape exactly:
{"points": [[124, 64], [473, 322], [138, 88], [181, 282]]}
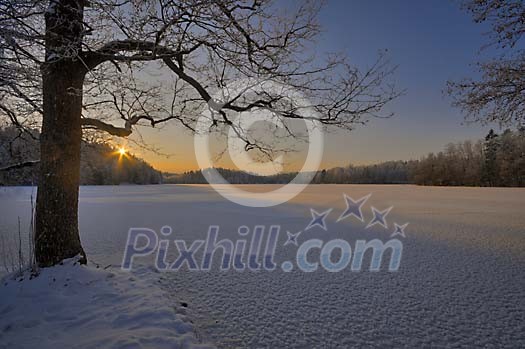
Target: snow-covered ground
{"points": [[74, 306], [461, 282]]}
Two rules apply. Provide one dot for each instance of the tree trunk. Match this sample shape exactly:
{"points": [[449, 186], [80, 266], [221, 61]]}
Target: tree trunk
{"points": [[56, 221]]}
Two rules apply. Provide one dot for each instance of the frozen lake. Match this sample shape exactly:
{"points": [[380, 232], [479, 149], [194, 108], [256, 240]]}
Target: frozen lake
{"points": [[461, 281]]}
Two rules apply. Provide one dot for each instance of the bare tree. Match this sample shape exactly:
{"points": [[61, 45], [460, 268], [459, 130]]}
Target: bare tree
{"points": [[112, 65], [499, 95]]}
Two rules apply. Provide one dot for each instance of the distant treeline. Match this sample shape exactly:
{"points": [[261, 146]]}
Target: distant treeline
{"points": [[392, 172], [232, 176], [100, 163], [498, 160]]}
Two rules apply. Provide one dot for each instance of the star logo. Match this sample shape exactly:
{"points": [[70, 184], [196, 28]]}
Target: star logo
{"points": [[353, 207], [399, 230], [318, 219], [292, 238], [379, 217]]}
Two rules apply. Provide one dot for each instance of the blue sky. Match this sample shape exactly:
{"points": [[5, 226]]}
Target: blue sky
{"points": [[431, 41]]}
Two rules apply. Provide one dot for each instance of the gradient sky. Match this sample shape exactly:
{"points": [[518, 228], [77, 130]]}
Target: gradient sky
{"points": [[430, 41]]}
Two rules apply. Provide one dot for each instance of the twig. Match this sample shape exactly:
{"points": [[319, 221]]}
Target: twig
{"points": [[20, 165]]}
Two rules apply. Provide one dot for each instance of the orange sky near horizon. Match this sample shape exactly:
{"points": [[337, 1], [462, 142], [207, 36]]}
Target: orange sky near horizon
{"points": [[380, 140], [444, 47]]}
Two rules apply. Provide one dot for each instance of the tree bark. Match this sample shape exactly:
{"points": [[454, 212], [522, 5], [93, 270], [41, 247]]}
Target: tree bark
{"points": [[56, 222]]}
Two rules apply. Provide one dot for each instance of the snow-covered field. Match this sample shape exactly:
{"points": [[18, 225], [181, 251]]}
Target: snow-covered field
{"points": [[461, 282]]}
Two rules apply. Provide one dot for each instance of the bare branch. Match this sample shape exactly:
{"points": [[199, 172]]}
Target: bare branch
{"points": [[187, 50], [499, 95], [20, 165]]}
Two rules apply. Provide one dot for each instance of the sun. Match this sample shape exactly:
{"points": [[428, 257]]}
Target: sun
{"points": [[121, 152]]}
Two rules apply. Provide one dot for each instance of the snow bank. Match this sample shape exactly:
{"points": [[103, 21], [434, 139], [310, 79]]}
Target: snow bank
{"points": [[76, 306]]}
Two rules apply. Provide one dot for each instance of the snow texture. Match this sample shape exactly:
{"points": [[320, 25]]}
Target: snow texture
{"points": [[75, 306], [461, 283]]}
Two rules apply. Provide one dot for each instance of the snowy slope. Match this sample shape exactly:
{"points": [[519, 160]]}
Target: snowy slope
{"points": [[74, 306]]}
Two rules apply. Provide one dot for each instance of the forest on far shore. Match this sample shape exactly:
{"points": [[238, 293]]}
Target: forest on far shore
{"points": [[496, 161], [100, 162]]}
